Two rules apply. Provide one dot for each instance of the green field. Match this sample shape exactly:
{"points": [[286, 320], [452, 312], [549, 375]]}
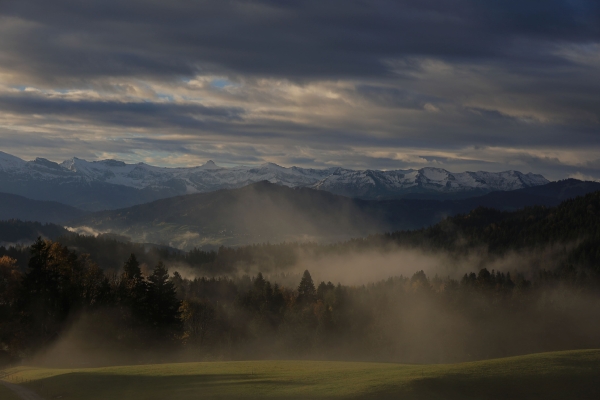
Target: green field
{"points": [[560, 375], [7, 394]]}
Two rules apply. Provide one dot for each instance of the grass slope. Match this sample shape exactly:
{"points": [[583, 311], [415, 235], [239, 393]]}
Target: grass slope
{"points": [[559, 375], [7, 394]]}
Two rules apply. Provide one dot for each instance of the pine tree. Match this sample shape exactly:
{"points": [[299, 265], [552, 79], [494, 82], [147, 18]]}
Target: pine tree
{"points": [[306, 290], [41, 299], [162, 300], [131, 269], [132, 291]]}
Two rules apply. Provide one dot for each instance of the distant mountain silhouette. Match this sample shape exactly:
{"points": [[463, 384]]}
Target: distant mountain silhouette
{"points": [[19, 207], [549, 195]]}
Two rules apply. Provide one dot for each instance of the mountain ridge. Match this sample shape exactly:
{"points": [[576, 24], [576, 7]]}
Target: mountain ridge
{"points": [[112, 184]]}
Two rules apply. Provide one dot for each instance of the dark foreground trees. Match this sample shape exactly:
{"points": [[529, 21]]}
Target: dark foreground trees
{"points": [[410, 319], [59, 286]]}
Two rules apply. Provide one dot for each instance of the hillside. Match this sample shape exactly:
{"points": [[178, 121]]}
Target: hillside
{"points": [[560, 375], [265, 212], [256, 213], [571, 230], [22, 232], [548, 195], [19, 207], [573, 219]]}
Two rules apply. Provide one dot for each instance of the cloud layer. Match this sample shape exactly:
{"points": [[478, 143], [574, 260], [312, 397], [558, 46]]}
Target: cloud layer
{"points": [[364, 84]]}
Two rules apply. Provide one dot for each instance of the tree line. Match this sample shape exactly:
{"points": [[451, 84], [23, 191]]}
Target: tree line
{"points": [[419, 318]]}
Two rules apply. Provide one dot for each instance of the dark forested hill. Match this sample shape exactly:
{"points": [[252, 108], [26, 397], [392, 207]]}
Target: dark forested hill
{"points": [[16, 231], [563, 190], [574, 225], [18, 207], [256, 213], [265, 212], [573, 219]]}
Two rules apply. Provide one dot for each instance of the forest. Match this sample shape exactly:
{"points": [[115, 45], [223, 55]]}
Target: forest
{"points": [[73, 301]]}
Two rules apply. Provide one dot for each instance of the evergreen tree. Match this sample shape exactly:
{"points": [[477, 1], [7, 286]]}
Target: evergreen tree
{"points": [[162, 300], [131, 269], [42, 284], [57, 283], [306, 290], [323, 289], [132, 291], [259, 282]]}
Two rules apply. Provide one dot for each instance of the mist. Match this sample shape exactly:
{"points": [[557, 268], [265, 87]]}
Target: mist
{"points": [[393, 304], [361, 266], [84, 230], [405, 326]]}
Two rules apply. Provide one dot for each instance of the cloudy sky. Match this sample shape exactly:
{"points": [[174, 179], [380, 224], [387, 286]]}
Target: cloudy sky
{"points": [[459, 84]]}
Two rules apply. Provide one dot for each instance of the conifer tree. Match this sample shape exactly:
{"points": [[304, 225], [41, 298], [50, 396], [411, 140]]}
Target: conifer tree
{"points": [[133, 289], [162, 300], [306, 290]]}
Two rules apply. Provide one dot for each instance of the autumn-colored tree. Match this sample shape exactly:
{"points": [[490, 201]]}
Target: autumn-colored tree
{"points": [[197, 317]]}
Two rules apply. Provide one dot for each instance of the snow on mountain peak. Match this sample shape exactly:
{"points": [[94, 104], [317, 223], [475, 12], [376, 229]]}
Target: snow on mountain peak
{"points": [[210, 164], [434, 174], [46, 163], [271, 165], [9, 162], [113, 163], [210, 177]]}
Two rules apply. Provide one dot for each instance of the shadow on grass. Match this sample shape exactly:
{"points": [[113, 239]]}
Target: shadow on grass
{"points": [[584, 385], [75, 386], [554, 376]]}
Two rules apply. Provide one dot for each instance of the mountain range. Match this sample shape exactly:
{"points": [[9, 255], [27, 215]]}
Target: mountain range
{"points": [[111, 184]]}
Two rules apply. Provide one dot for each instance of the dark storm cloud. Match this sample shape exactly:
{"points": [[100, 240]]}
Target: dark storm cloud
{"points": [[449, 130], [396, 98], [346, 82], [136, 114], [68, 39]]}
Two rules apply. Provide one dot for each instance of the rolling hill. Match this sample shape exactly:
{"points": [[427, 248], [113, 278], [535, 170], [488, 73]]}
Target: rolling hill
{"points": [[559, 375], [25, 232], [18, 207], [265, 212]]}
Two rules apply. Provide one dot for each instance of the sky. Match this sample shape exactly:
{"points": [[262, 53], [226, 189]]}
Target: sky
{"points": [[457, 84]]}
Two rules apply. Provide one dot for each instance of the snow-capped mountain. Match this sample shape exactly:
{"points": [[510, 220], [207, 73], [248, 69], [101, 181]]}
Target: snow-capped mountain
{"points": [[110, 184], [381, 184]]}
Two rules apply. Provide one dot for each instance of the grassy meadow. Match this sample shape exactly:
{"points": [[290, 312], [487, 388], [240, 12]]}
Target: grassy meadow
{"points": [[558, 375], [7, 394]]}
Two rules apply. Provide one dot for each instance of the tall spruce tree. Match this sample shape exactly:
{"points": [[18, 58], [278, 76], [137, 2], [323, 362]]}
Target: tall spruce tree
{"points": [[133, 290], [306, 290], [162, 301]]}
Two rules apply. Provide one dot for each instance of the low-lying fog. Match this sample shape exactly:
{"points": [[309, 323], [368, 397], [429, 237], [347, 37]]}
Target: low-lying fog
{"points": [[382, 318]]}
